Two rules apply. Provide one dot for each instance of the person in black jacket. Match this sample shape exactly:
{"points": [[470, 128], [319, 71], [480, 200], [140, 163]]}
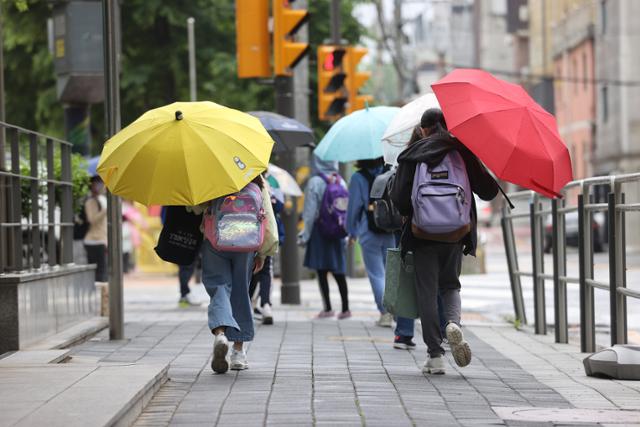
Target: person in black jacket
{"points": [[438, 264]]}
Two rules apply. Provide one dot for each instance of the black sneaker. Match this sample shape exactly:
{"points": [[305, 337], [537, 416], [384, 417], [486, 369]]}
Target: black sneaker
{"points": [[403, 343]]}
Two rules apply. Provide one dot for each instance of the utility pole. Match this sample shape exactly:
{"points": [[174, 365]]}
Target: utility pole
{"points": [[192, 58], [4, 245], [344, 169], [111, 16]]}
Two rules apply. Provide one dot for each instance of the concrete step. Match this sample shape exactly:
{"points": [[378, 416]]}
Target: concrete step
{"points": [[77, 395], [72, 335], [35, 357]]}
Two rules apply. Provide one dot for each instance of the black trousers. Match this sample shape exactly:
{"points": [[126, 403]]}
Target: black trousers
{"points": [[97, 254], [323, 281]]}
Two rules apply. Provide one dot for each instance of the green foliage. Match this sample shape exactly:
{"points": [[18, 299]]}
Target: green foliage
{"points": [[79, 178], [154, 60]]}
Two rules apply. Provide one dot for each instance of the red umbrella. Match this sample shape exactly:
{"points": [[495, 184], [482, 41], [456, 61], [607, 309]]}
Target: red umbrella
{"points": [[502, 125]]}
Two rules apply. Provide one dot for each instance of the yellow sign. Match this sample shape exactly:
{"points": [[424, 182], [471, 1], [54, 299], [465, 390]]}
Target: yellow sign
{"points": [[59, 48]]}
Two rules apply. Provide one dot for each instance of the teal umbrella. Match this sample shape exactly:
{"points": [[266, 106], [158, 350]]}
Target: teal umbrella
{"points": [[357, 136]]}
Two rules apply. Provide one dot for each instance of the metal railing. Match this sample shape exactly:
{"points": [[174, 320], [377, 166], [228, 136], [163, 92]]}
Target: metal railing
{"points": [[36, 205], [540, 208]]}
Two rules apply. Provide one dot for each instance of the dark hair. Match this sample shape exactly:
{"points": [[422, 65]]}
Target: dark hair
{"points": [[416, 136], [370, 163], [259, 181], [433, 120], [95, 179]]}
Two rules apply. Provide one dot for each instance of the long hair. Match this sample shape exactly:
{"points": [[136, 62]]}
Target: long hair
{"points": [[416, 136]]}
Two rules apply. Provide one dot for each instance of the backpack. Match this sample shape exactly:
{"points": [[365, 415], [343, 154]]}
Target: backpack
{"points": [[441, 199], [370, 208], [236, 223], [385, 213], [180, 238], [81, 222], [332, 219]]}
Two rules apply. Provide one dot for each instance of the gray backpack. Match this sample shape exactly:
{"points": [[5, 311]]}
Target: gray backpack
{"points": [[441, 199]]}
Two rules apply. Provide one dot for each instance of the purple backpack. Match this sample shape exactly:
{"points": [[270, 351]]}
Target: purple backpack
{"points": [[441, 199], [332, 220]]}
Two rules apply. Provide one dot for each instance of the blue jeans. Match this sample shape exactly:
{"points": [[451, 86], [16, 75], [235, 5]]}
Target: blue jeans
{"points": [[226, 278], [374, 255]]}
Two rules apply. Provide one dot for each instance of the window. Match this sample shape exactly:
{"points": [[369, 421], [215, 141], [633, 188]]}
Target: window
{"points": [[605, 103]]}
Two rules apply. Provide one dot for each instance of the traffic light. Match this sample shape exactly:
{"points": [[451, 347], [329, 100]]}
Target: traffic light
{"points": [[355, 79], [286, 22], [252, 38], [332, 92]]}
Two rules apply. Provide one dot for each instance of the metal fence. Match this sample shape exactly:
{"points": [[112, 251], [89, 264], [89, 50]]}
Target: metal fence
{"points": [[539, 209], [36, 209]]}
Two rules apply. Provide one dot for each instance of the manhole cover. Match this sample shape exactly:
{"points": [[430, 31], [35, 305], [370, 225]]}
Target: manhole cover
{"points": [[574, 415]]}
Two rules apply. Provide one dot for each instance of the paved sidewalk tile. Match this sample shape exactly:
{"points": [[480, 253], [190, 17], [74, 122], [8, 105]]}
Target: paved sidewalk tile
{"points": [[305, 372]]}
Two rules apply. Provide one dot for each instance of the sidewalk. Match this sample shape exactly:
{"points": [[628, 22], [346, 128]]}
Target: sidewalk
{"points": [[329, 372]]}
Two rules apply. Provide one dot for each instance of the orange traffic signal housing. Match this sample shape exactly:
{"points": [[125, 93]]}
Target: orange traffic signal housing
{"points": [[332, 92], [286, 51], [356, 79], [253, 39]]}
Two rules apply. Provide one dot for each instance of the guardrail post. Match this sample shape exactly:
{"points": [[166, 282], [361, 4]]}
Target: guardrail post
{"points": [[512, 264], [587, 323], [559, 270], [621, 266], [538, 267]]}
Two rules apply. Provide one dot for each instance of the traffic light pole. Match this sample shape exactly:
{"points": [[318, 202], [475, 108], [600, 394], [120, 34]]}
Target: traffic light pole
{"points": [[289, 268], [114, 208]]}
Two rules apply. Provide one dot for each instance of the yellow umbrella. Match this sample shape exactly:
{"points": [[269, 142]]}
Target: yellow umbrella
{"points": [[184, 154]]}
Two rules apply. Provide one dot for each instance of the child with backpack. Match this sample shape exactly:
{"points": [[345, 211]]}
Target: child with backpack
{"points": [[324, 216], [433, 189], [240, 232], [361, 227]]}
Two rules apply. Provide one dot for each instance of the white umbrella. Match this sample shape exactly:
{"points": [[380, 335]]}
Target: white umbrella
{"points": [[399, 131], [286, 182]]}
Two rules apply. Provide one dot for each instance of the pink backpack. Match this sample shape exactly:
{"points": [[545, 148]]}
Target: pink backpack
{"points": [[236, 223]]}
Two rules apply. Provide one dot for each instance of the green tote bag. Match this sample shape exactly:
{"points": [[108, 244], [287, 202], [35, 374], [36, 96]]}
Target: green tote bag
{"points": [[400, 297]]}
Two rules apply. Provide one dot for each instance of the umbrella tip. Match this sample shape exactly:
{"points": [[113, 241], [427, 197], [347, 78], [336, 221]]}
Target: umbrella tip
{"points": [[178, 115]]}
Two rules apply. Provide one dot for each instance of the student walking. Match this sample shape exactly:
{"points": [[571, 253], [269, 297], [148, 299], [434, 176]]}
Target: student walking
{"points": [[432, 189], [324, 216], [232, 248], [95, 241], [361, 227]]}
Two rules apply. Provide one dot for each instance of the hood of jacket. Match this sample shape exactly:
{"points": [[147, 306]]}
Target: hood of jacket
{"points": [[319, 166], [430, 150]]}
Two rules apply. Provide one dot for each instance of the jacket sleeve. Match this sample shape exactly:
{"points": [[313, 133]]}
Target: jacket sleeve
{"points": [[482, 183], [401, 187], [93, 211], [312, 198], [358, 201]]}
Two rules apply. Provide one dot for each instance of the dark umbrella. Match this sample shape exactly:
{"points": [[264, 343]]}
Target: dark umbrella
{"points": [[288, 133]]}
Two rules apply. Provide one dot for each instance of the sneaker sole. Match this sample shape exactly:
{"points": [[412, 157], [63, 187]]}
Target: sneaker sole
{"points": [[434, 371], [459, 347], [220, 363], [239, 367], [267, 321], [401, 346]]}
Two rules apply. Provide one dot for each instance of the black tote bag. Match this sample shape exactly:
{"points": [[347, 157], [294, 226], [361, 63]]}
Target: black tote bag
{"points": [[180, 238]]}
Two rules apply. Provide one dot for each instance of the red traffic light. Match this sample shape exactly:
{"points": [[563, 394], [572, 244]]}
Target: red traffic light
{"points": [[328, 62]]}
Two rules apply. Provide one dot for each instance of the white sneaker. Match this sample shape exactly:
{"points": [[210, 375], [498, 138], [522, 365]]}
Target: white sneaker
{"points": [[385, 320], [434, 365], [459, 347], [238, 360], [267, 316], [220, 359]]}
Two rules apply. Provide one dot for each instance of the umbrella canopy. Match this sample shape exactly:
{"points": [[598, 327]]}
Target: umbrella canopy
{"points": [[185, 153], [285, 181], [513, 135], [397, 134], [92, 166], [356, 136], [288, 133]]}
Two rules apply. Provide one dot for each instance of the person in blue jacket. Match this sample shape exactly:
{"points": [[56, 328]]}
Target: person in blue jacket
{"points": [[374, 243]]}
